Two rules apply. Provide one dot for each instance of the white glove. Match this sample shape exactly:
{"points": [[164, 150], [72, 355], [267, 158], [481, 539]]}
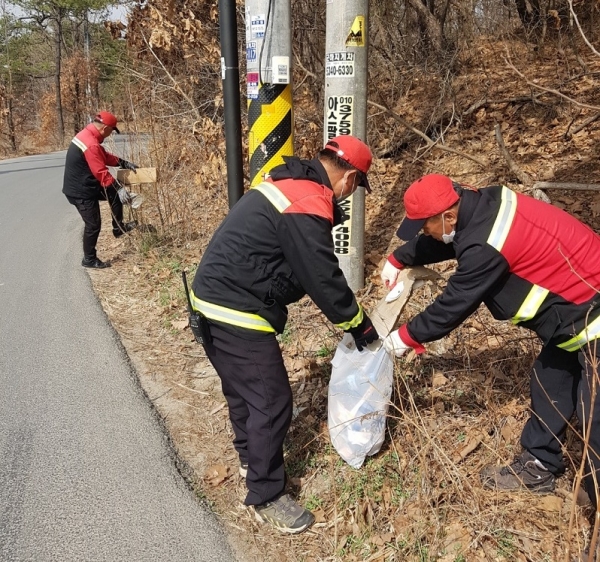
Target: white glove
{"points": [[389, 274], [124, 195], [394, 344]]}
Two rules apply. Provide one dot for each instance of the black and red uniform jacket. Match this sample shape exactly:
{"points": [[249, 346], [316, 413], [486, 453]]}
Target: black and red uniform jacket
{"points": [[275, 246], [526, 260], [86, 164]]}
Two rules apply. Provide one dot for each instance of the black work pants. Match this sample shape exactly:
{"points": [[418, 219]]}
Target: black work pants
{"points": [[89, 209], [256, 386], [563, 383]]}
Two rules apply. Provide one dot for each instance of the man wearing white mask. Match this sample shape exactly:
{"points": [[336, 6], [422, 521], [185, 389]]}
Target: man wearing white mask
{"points": [[275, 246], [528, 262]]}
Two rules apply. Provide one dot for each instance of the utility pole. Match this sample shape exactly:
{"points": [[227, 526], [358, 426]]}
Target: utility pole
{"points": [[230, 75], [346, 55], [269, 82]]}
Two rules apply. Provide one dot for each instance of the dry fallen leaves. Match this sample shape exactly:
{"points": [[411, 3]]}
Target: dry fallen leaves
{"points": [[179, 324], [438, 380], [471, 443], [216, 474]]}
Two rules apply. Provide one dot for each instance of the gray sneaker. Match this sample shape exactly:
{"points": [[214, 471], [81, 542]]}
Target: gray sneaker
{"points": [[285, 515], [525, 473], [243, 469]]}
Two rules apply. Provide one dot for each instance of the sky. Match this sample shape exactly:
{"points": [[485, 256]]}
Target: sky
{"points": [[116, 12]]}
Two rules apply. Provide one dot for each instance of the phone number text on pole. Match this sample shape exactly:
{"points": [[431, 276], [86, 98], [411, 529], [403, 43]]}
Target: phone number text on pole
{"points": [[339, 64]]}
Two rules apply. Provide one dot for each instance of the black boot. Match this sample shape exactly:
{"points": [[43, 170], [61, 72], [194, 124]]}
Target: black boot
{"points": [[94, 263], [125, 228]]}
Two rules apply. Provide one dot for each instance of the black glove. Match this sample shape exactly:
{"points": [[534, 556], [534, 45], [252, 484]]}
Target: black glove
{"points": [[127, 165], [364, 334]]}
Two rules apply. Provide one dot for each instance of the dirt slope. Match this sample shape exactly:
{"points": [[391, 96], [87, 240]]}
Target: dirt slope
{"points": [[456, 409]]}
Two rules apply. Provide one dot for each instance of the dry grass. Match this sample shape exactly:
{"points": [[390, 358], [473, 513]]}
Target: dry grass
{"points": [[419, 498]]}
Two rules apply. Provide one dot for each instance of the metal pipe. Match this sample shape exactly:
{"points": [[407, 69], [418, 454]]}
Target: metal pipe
{"points": [[230, 75]]}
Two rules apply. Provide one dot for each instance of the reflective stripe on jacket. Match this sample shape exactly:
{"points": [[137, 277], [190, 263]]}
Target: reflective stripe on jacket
{"points": [[230, 316], [275, 246], [86, 165], [528, 261]]}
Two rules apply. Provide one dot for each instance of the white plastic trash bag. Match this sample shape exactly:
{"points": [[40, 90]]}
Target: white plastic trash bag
{"points": [[359, 394]]}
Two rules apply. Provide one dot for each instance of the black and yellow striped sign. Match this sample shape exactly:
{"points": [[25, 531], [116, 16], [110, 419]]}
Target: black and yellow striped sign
{"points": [[271, 129]]}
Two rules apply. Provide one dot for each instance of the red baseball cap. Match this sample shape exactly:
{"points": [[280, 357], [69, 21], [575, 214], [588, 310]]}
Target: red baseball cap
{"points": [[427, 197], [355, 152], [108, 119]]}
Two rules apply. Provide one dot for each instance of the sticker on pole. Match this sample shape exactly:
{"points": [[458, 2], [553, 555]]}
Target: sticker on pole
{"points": [[339, 65], [252, 84], [281, 70], [251, 51], [257, 26], [356, 37], [343, 232], [340, 116]]}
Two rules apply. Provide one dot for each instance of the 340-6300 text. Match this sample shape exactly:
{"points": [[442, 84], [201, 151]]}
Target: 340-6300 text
{"points": [[340, 70]]}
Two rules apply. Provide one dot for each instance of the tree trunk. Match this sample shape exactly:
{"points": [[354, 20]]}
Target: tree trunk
{"points": [[58, 61], [88, 65], [529, 13], [430, 26], [77, 117], [11, 123]]}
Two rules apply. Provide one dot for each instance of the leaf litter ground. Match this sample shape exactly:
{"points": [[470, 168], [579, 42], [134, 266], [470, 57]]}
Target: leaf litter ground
{"points": [[455, 410]]}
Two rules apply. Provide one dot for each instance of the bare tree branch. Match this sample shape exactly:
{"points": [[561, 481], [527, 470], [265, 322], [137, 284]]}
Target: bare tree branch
{"points": [[581, 30], [176, 85], [430, 143], [485, 102], [567, 185], [583, 125], [523, 177], [549, 90]]}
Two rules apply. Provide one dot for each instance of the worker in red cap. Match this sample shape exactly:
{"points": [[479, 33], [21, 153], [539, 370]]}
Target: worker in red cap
{"points": [[274, 247], [87, 181], [528, 262]]}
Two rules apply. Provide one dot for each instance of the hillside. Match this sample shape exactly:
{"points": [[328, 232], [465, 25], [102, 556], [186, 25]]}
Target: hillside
{"points": [[457, 408]]}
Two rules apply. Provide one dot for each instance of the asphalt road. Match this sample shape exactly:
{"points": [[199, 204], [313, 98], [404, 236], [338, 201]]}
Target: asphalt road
{"points": [[86, 473]]}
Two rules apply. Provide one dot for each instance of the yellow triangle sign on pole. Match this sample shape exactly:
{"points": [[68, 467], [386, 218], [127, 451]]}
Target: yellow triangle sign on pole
{"points": [[356, 37]]}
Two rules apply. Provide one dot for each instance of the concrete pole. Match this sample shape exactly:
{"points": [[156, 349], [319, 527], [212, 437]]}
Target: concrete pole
{"points": [[346, 55], [269, 79]]}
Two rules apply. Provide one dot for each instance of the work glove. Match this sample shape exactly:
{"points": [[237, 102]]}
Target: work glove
{"points": [[364, 334], [124, 196], [390, 272], [127, 165], [394, 344]]}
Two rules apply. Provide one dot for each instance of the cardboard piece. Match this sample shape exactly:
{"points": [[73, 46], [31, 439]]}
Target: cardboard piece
{"points": [[385, 315], [141, 175]]}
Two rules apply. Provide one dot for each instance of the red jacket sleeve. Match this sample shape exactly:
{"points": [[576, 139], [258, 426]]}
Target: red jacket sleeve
{"points": [[98, 160]]}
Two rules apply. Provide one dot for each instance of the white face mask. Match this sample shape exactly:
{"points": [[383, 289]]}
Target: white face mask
{"points": [[343, 197], [447, 238]]}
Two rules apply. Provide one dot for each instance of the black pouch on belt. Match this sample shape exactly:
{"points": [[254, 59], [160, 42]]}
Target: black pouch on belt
{"points": [[198, 322], [200, 328]]}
